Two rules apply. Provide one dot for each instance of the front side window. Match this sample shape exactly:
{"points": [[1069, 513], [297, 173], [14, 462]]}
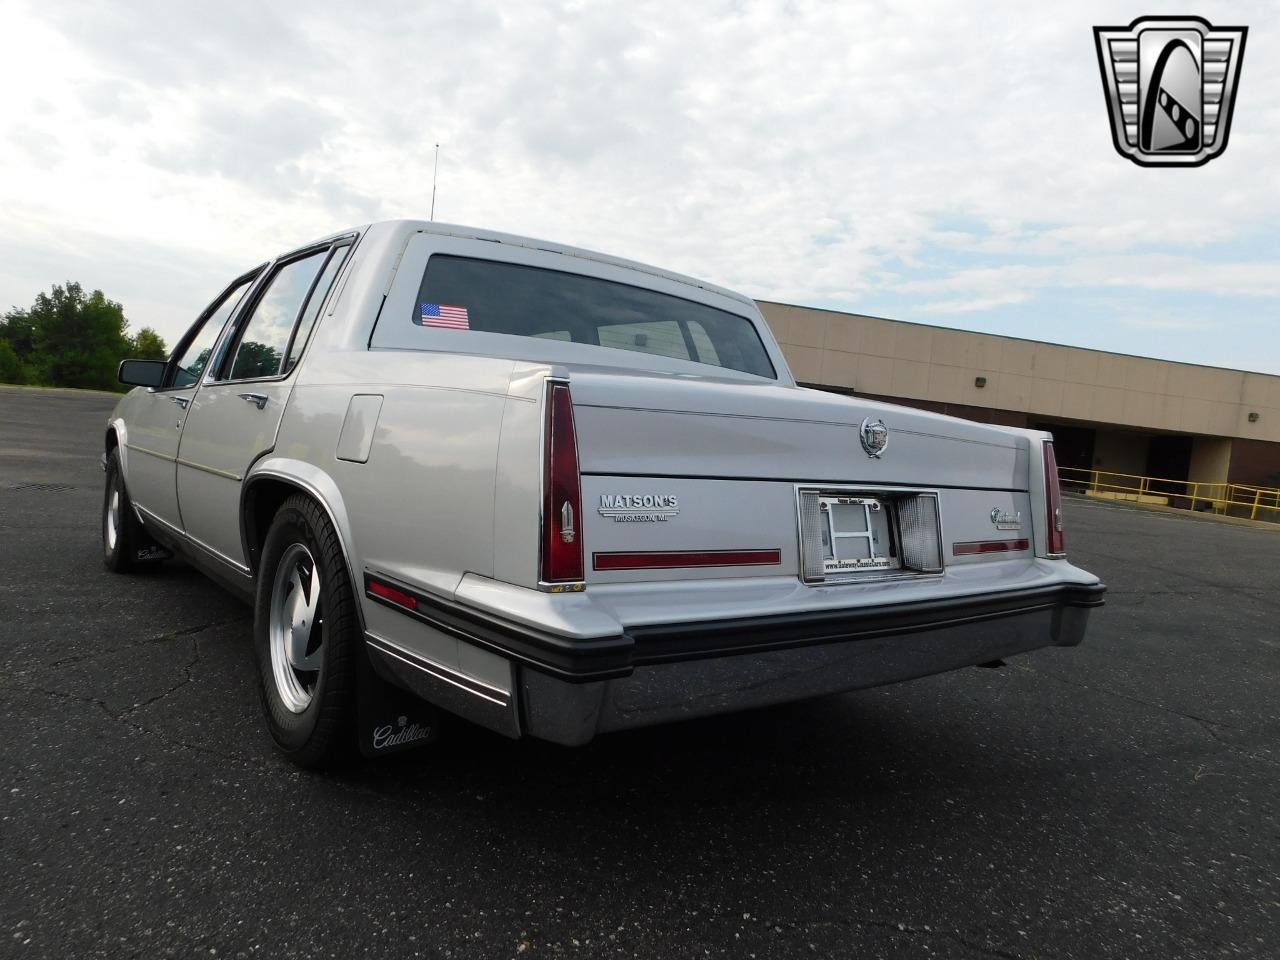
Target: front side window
{"points": [[464, 293], [195, 358], [265, 340]]}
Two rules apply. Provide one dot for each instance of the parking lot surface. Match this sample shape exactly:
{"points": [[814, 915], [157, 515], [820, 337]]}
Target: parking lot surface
{"points": [[1120, 799]]}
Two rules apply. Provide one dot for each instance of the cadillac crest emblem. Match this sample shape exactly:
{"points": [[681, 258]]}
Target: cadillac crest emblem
{"points": [[875, 437], [1170, 84]]}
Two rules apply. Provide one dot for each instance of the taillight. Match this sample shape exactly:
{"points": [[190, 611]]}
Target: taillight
{"points": [[562, 566], [1053, 502]]}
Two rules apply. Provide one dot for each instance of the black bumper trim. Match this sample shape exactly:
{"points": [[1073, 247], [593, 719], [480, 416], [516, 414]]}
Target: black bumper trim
{"points": [[674, 642], [605, 658]]}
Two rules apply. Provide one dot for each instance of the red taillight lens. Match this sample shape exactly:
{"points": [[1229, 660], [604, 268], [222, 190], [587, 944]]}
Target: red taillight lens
{"points": [[562, 492], [1053, 502]]}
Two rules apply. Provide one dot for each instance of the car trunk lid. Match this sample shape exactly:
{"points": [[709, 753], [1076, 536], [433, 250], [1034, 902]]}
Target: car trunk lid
{"points": [[644, 424]]}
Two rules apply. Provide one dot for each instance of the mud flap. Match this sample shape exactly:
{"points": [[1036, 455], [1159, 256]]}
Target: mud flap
{"points": [[151, 551], [389, 718], [145, 547]]}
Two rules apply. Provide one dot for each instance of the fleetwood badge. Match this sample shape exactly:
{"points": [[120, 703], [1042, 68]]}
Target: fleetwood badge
{"points": [[1006, 519], [1170, 84], [875, 437]]}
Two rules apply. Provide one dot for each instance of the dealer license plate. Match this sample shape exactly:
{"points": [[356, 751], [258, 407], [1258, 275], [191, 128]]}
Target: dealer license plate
{"points": [[857, 535]]}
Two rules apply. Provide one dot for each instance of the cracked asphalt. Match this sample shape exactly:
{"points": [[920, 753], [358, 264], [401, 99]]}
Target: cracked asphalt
{"points": [[1118, 800]]}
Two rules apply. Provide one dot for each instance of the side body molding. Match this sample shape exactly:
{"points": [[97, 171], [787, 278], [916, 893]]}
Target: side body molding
{"points": [[314, 482]]}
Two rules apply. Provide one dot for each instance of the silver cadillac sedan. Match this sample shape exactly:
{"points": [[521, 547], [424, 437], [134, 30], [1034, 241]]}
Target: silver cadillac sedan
{"points": [[557, 494]]}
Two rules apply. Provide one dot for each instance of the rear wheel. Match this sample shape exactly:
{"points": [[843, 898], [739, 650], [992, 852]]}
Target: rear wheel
{"points": [[306, 635], [122, 534]]}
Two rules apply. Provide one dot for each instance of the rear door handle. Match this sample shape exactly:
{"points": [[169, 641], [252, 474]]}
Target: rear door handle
{"points": [[259, 400], [181, 401]]}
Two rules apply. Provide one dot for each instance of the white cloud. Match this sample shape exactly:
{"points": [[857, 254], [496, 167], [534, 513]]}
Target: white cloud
{"points": [[987, 287], [802, 152], [976, 304]]}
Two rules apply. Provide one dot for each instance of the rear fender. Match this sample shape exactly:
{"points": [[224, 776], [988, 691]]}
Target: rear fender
{"points": [[315, 483]]}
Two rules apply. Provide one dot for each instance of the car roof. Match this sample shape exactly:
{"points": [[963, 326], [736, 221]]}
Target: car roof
{"points": [[407, 226]]}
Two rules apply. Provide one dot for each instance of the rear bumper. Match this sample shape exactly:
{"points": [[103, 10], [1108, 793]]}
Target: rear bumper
{"points": [[567, 690]]}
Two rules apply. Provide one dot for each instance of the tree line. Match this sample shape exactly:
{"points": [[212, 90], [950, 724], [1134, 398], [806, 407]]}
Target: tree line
{"points": [[71, 338]]}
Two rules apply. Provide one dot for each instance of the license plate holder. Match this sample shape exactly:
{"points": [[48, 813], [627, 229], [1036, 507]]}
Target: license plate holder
{"points": [[857, 535]]}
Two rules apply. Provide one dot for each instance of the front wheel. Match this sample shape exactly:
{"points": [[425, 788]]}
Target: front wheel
{"points": [[125, 545], [306, 635]]}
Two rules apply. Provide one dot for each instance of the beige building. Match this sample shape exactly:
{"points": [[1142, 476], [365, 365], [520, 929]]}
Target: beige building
{"points": [[1107, 411]]}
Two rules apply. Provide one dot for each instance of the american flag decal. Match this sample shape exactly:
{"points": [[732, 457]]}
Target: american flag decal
{"points": [[444, 315]]}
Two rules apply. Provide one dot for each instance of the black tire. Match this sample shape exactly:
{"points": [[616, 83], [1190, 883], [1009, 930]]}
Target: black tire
{"points": [[323, 729], [120, 552]]}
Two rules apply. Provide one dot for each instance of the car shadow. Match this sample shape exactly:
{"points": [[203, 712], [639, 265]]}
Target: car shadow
{"points": [[852, 746]]}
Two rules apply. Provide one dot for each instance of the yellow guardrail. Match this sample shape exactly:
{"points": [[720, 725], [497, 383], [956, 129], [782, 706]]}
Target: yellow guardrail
{"points": [[1224, 499]]}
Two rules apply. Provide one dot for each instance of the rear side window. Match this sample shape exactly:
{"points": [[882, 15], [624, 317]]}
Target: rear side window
{"points": [[314, 303], [265, 341], [464, 293]]}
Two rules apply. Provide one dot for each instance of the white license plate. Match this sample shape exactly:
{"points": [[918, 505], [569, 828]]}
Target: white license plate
{"points": [[857, 535]]}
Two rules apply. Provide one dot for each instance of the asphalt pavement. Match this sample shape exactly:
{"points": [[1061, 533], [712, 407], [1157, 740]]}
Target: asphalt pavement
{"points": [[1116, 800]]}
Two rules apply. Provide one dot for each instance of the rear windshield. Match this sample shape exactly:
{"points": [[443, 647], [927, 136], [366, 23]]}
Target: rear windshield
{"points": [[462, 293]]}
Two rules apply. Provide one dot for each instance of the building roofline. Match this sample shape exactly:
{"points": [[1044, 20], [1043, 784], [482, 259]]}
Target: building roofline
{"points": [[1004, 336]]}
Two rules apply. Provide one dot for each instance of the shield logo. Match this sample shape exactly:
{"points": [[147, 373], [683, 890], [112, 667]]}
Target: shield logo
{"points": [[1170, 84], [875, 437]]}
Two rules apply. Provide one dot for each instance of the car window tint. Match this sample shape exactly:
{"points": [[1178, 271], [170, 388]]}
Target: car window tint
{"points": [[314, 304], [195, 358], [662, 337], [702, 343], [467, 294], [265, 339]]}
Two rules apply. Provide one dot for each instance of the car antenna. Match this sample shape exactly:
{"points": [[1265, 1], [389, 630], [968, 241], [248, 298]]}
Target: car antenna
{"points": [[434, 170]]}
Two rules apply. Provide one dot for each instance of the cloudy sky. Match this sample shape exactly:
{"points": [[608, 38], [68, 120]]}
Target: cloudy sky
{"points": [[940, 163]]}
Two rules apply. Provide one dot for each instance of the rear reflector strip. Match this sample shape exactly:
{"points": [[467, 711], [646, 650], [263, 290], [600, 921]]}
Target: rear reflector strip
{"points": [[670, 559], [989, 546], [379, 589]]}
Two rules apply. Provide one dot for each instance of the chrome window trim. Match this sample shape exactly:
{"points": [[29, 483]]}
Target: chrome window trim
{"points": [[251, 277], [245, 313]]}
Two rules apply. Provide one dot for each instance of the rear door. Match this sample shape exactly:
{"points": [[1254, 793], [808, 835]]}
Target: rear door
{"points": [[234, 418], [155, 426]]}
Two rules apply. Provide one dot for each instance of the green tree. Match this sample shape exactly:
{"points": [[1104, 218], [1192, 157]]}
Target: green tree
{"points": [[69, 338], [79, 339], [146, 344], [255, 359], [19, 331], [12, 369]]}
